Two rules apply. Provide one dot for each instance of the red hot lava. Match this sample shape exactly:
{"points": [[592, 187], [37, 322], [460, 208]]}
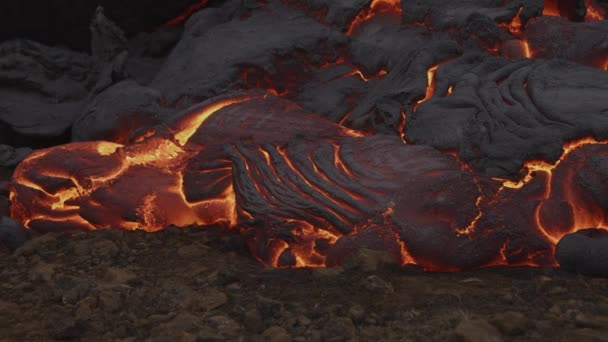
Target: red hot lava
{"points": [[307, 192]]}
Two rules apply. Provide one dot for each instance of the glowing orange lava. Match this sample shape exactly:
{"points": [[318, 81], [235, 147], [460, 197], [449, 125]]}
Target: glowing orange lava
{"points": [[526, 48], [533, 167], [594, 11], [376, 8], [515, 25], [551, 8], [430, 89]]}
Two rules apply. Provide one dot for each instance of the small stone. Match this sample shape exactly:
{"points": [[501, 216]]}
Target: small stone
{"points": [[556, 310], [303, 321], [327, 272], [74, 290], [63, 328], [339, 329], [178, 326], [276, 334], [42, 271], [213, 299], [12, 234], [253, 321], [585, 334], [269, 307], [511, 323], [224, 326], [192, 251], [356, 313], [368, 260], [471, 280], [377, 284], [557, 290], [119, 275], [86, 308], [588, 321], [104, 248], [477, 330], [110, 300]]}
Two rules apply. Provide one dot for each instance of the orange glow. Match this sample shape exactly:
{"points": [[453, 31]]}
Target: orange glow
{"points": [[339, 163], [594, 11], [533, 166], [107, 148], [551, 8], [401, 127], [526, 49], [430, 89], [376, 7], [581, 218], [359, 73], [515, 25], [192, 123], [152, 187]]}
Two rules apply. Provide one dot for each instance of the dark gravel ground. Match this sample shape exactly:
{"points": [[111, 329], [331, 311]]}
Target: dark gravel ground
{"points": [[199, 285]]}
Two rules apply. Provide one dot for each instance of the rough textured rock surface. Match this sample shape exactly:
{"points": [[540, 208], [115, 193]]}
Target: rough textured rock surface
{"points": [[502, 113], [44, 88], [585, 251], [168, 286]]}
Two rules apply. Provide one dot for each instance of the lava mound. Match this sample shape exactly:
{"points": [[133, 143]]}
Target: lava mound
{"points": [[451, 136]]}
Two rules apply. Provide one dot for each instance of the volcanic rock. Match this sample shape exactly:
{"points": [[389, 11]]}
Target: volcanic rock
{"points": [[511, 323], [442, 15], [107, 39], [4, 203], [477, 330], [276, 334], [12, 234], [584, 252], [214, 57], [117, 112], [10, 156], [339, 329], [49, 86], [539, 105], [556, 37], [253, 321], [64, 327]]}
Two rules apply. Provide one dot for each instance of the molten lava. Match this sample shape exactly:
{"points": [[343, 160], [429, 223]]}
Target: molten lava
{"points": [[430, 89], [376, 8], [594, 11], [305, 191], [551, 8], [515, 25]]}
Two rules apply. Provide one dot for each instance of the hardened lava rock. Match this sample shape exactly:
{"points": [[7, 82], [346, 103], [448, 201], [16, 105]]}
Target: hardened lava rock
{"points": [[585, 251]]}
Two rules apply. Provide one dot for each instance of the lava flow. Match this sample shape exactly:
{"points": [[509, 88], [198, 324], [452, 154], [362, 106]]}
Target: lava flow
{"points": [[305, 194], [376, 8], [342, 128]]}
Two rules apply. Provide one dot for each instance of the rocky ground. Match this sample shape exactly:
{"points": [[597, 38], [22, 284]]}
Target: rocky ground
{"points": [[194, 285]]}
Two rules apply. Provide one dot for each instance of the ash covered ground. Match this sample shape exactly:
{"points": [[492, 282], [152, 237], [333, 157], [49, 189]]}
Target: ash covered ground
{"points": [[193, 285]]}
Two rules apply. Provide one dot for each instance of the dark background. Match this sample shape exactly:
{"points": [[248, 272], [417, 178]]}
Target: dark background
{"points": [[66, 22]]}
